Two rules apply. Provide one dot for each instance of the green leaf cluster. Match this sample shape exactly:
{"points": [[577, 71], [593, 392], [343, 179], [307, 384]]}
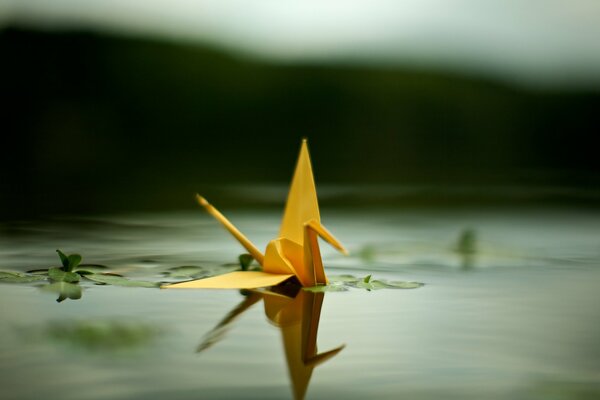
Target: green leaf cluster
{"points": [[116, 280], [65, 280], [186, 271], [69, 262], [19, 277], [70, 273], [59, 275], [342, 283], [332, 287]]}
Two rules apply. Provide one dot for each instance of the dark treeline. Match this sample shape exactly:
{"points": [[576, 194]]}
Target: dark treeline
{"points": [[90, 122]]}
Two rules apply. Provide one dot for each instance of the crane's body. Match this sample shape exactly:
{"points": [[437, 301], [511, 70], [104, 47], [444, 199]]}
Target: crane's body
{"points": [[295, 252]]}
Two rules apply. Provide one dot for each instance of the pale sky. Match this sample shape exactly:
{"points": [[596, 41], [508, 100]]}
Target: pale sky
{"points": [[538, 42]]}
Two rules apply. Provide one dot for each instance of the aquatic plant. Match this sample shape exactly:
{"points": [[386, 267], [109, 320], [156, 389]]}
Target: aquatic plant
{"points": [[67, 280], [341, 283]]}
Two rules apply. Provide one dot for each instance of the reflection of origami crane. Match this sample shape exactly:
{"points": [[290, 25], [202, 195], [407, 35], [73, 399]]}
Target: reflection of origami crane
{"points": [[294, 253], [298, 318]]}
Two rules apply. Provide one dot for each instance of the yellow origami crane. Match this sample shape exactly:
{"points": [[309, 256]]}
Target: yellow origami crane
{"points": [[295, 253], [297, 316]]}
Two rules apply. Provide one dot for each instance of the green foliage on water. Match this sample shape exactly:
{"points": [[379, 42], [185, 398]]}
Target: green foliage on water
{"points": [[340, 283], [198, 271], [72, 262], [83, 269], [331, 287], [115, 280], [382, 284], [66, 280], [19, 277], [186, 271], [58, 275], [69, 262]]}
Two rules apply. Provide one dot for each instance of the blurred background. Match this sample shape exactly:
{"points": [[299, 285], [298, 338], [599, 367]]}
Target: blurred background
{"points": [[113, 106]]}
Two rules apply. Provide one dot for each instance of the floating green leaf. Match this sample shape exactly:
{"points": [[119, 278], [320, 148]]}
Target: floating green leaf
{"points": [[186, 271], [332, 287], [58, 275], [245, 261], [120, 281], [370, 284], [42, 271], [380, 284], [404, 285], [19, 277], [69, 262], [90, 267], [338, 283], [84, 272]]}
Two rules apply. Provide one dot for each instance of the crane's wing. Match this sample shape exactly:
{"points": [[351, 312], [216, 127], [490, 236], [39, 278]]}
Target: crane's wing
{"points": [[233, 280]]}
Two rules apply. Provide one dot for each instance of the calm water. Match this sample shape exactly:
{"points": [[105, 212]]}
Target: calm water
{"points": [[513, 315]]}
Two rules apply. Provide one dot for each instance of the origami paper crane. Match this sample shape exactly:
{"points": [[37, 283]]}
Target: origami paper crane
{"points": [[295, 253], [297, 316]]}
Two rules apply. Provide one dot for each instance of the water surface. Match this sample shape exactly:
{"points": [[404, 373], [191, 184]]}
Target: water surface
{"points": [[509, 309]]}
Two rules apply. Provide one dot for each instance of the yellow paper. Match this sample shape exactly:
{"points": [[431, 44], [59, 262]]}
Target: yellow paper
{"points": [[234, 280], [298, 320], [294, 253], [302, 204]]}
